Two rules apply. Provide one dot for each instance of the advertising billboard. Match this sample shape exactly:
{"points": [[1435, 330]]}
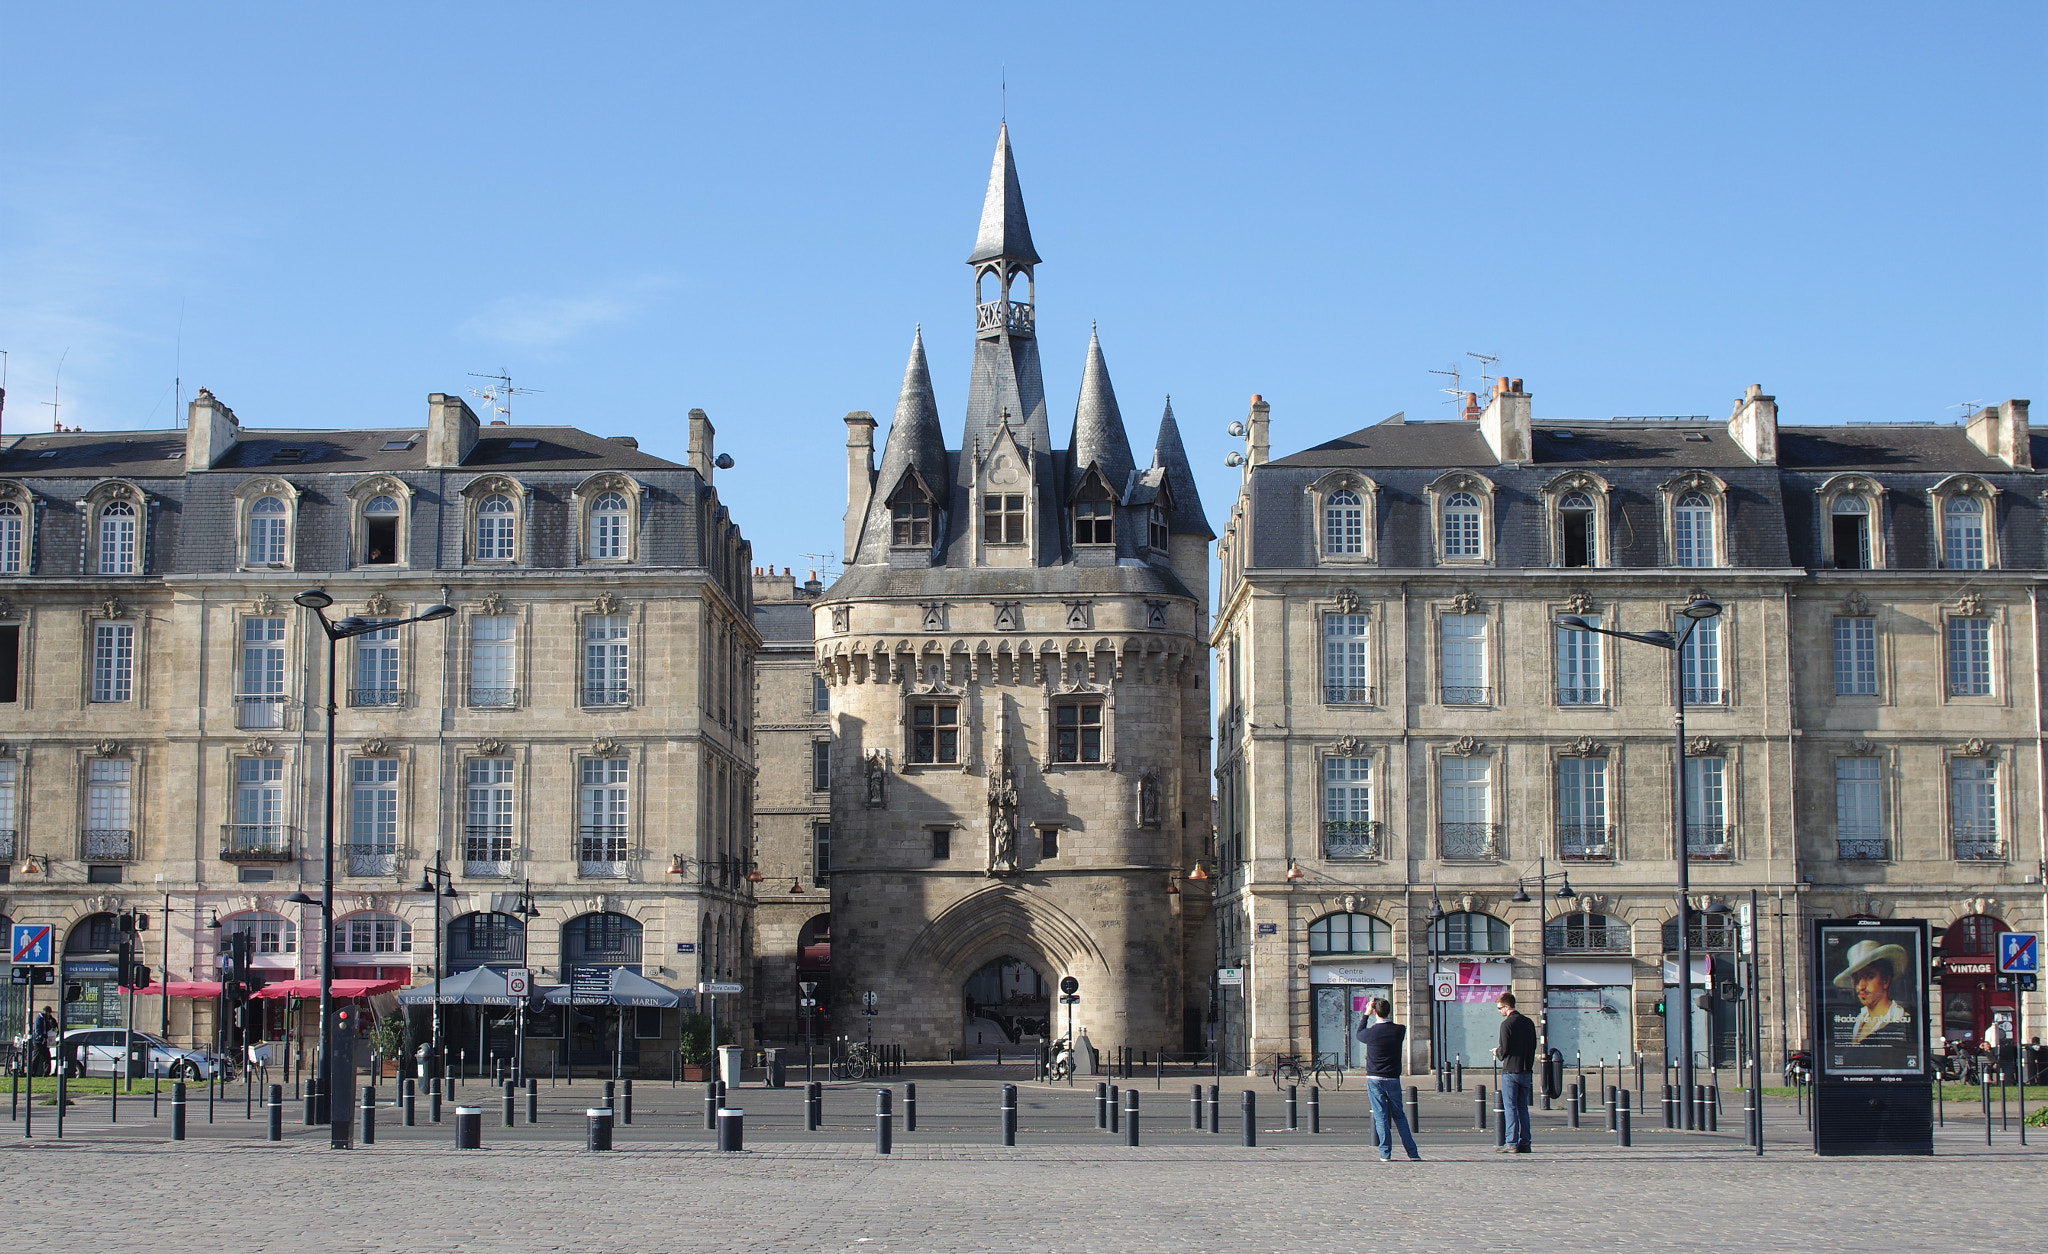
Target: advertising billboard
{"points": [[1871, 990]]}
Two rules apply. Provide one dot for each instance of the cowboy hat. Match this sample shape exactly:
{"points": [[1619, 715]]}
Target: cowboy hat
{"points": [[1865, 952]]}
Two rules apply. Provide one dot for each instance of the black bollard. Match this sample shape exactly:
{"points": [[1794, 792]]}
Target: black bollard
{"points": [[1102, 1106], [1009, 1114], [532, 1100], [469, 1127], [1479, 1109], [731, 1129], [1115, 1119], [273, 1105], [434, 1099], [626, 1102], [1670, 1110], [710, 1105], [312, 1101], [1248, 1108], [884, 1122], [1621, 1096], [597, 1128], [1623, 1134], [369, 1114], [1293, 1108], [814, 1106], [1215, 1112], [178, 1111], [1130, 1117], [408, 1096], [1613, 1124], [1194, 1108], [1458, 1077], [1500, 1115], [1414, 1110], [910, 1107], [1315, 1109], [1571, 1104], [1713, 1104]]}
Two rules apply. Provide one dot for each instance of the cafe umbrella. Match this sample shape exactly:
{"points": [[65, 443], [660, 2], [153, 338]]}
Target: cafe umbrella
{"points": [[620, 988]]}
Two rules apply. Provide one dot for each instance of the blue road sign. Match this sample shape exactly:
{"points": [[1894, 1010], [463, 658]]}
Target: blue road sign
{"points": [[2019, 953], [32, 944]]}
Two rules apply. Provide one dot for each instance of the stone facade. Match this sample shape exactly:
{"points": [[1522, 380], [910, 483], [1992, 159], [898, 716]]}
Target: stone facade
{"points": [[1404, 731], [1017, 662], [573, 744]]}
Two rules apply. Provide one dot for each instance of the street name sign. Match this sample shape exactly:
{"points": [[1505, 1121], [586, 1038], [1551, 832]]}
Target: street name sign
{"points": [[721, 988]]}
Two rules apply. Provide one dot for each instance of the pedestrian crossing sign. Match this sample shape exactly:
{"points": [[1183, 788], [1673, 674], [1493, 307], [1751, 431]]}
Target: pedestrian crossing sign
{"points": [[2019, 953]]}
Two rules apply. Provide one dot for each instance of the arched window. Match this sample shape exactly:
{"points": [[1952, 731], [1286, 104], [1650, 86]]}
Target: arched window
{"points": [[494, 526], [1577, 537], [1972, 936], [814, 944], [1349, 934], [601, 939], [1469, 933], [117, 538], [270, 935], [93, 934], [486, 938], [380, 531], [1692, 530], [608, 527], [1461, 525], [13, 539], [1962, 533], [267, 532], [372, 933], [1344, 523], [1586, 933]]}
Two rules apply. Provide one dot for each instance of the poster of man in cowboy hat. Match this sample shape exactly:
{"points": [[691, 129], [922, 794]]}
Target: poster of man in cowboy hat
{"points": [[1872, 1020]]}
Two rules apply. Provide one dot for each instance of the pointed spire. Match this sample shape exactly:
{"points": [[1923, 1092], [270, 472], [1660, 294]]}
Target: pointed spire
{"points": [[1098, 437], [1188, 518], [1004, 231], [916, 443]]}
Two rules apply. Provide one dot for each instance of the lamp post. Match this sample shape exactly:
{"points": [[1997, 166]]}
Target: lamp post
{"points": [[317, 600], [1436, 1032], [1693, 612], [1542, 879], [439, 869]]}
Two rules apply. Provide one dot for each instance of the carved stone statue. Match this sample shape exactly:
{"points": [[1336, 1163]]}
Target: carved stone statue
{"points": [[1148, 800], [1002, 818], [877, 779]]}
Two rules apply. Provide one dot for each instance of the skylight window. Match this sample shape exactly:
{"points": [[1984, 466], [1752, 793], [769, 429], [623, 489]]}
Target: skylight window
{"points": [[397, 446], [1696, 437], [288, 455], [48, 452], [526, 444]]}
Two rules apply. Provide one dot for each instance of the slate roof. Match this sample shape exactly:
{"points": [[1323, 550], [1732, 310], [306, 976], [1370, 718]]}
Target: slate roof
{"points": [[1004, 231]]}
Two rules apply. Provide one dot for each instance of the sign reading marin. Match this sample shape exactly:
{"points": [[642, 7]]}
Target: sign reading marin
{"points": [[1871, 989]]}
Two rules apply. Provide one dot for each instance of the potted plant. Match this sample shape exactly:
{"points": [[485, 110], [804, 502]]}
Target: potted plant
{"points": [[693, 1043], [389, 1038]]}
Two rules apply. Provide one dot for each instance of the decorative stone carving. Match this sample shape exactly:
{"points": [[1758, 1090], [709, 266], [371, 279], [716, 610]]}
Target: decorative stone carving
{"points": [[604, 747], [1585, 747], [1970, 605], [877, 779], [1702, 747], [1466, 746], [6, 608], [378, 605], [1002, 817], [259, 746], [1856, 605], [1580, 603], [1348, 747], [1009, 615], [111, 608], [1080, 615], [1470, 902], [488, 748], [107, 749], [934, 615], [1980, 905], [1347, 601], [606, 602], [1148, 799], [1975, 747], [842, 619], [264, 605], [1155, 615], [6, 750], [373, 748], [1699, 594], [492, 604], [1863, 748], [1464, 602]]}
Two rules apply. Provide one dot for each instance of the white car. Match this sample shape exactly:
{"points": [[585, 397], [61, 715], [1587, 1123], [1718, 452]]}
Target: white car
{"points": [[100, 1052]]}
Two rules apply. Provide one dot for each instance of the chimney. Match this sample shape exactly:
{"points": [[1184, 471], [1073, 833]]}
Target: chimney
{"points": [[812, 586], [1505, 422], [1754, 425], [1472, 410], [2001, 431], [1261, 419], [702, 436], [451, 430], [210, 431], [860, 477]]}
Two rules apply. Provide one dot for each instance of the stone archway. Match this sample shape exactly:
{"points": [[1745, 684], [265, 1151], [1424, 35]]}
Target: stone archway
{"points": [[1006, 1006], [1000, 923]]}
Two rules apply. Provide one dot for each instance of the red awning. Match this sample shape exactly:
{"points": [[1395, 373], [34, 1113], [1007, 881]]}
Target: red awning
{"points": [[183, 988], [342, 988]]}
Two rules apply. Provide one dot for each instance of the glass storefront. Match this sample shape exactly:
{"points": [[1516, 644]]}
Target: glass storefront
{"points": [[1342, 993], [1588, 1011]]}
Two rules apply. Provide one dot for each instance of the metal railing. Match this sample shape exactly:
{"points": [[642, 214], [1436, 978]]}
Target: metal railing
{"points": [[372, 859], [1470, 841], [1709, 842], [1571, 935], [1351, 838], [1582, 696], [607, 694], [380, 696], [487, 851], [256, 842], [993, 316], [1585, 842], [601, 853], [1344, 694], [109, 844], [1976, 842], [1459, 694], [263, 711], [1860, 848], [1714, 695], [493, 698]]}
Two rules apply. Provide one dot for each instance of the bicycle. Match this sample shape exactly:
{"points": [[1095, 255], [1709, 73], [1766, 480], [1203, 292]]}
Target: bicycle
{"points": [[859, 1061], [1293, 1069]]}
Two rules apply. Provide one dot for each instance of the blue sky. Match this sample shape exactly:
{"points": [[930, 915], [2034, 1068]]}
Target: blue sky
{"points": [[639, 209]]}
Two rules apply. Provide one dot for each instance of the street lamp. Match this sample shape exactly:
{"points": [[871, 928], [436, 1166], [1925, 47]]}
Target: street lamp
{"points": [[1541, 879], [317, 600], [1693, 612], [439, 869]]}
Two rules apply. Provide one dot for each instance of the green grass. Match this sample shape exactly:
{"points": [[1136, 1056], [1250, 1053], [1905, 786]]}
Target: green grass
{"points": [[97, 1086]]}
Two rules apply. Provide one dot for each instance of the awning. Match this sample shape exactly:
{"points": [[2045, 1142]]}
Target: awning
{"points": [[623, 988], [479, 986], [183, 988], [343, 989]]}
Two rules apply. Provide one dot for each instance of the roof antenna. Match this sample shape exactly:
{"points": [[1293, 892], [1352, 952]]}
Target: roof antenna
{"points": [[56, 400], [1969, 409], [1484, 362], [1457, 388], [499, 398], [3, 394]]}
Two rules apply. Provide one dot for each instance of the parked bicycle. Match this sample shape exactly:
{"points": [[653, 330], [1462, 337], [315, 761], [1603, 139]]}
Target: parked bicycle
{"points": [[1316, 1070], [859, 1062]]}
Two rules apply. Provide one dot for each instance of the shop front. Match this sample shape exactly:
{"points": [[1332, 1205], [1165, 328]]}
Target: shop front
{"points": [[1589, 1014], [91, 953], [1970, 997], [1343, 993]]}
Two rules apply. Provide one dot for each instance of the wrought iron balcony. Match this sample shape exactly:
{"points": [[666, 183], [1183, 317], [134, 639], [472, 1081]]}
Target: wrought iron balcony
{"points": [[601, 853], [256, 842], [487, 851], [1585, 842], [1351, 838], [109, 844], [606, 695], [1581, 696], [1969, 687], [1344, 694], [264, 711], [379, 696], [1859, 848], [493, 698], [1460, 694], [1715, 695], [1976, 842], [993, 317], [1469, 841], [1709, 842], [1575, 933], [372, 859]]}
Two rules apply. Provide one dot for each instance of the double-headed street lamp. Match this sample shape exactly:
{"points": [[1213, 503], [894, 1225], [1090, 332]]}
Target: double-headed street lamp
{"points": [[438, 869], [317, 600], [1693, 613]]}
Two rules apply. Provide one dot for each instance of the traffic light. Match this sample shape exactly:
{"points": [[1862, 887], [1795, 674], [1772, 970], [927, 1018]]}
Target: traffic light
{"points": [[1660, 1005], [124, 967], [141, 974], [345, 1021]]}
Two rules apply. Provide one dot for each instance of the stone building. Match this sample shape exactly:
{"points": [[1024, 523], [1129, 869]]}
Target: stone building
{"points": [[1405, 736], [573, 745], [1017, 664]]}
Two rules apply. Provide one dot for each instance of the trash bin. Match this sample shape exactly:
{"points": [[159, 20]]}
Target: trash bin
{"points": [[729, 1065], [776, 1077]]}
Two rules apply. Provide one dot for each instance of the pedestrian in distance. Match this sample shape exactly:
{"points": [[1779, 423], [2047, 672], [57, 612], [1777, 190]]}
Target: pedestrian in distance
{"points": [[1517, 1054], [43, 1040], [1384, 1040]]}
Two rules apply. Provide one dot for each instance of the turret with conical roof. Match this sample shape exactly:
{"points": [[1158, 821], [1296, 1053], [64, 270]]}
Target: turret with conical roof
{"points": [[1187, 517], [1006, 374], [914, 461], [1098, 438], [1005, 233]]}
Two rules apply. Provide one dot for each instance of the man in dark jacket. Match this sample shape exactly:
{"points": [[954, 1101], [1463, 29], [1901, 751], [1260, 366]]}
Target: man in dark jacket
{"points": [[1517, 1054], [1383, 1040]]}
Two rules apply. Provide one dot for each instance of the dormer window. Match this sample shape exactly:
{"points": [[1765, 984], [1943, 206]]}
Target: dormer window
{"points": [[118, 538], [380, 531], [1155, 527], [1344, 523], [1575, 523], [1962, 533], [608, 527], [1692, 530], [1461, 526], [910, 524], [267, 532], [13, 538], [1002, 518], [1094, 522], [494, 528], [1851, 521]]}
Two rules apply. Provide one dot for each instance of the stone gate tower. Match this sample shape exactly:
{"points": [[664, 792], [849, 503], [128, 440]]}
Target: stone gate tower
{"points": [[1019, 675]]}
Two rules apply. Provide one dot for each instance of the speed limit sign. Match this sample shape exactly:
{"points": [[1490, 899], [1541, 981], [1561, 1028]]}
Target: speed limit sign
{"points": [[1446, 988], [519, 982]]}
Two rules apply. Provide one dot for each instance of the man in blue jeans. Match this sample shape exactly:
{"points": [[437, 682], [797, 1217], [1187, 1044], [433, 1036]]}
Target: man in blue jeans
{"points": [[1517, 1054], [1383, 1040]]}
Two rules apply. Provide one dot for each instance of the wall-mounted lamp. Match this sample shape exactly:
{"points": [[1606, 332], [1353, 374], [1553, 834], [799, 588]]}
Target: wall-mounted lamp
{"points": [[1198, 873]]}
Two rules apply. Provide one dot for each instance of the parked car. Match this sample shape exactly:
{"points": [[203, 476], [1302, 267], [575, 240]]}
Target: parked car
{"points": [[101, 1048]]}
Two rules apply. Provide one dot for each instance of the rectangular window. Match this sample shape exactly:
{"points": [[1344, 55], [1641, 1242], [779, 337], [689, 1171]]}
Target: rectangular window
{"points": [[487, 817], [1859, 814], [1692, 532], [1347, 808], [911, 524], [1699, 663], [1852, 541], [605, 657], [109, 813], [1467, 808], [1706, 808], [821, 851], [261, 700], [1156, 528], [1582, 808], [1095, 523], [821, 696], [10, 662], [1962, 533], [1855, 657], [942, 844], [934, 732], [601, 846], [1578, 666], [373, 816], [376, 681], [1973, 808], [1002, 519], [259, 805], [493, 643], [8, 804], [821, 766], [1077, 731], [1347, 674], [1969, 657], [113, 661], [1048, 842], [1464, 650]]}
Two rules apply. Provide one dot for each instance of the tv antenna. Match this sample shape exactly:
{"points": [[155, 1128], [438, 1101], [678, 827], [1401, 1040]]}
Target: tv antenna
{"points": [[499, 397], [1484, 363], [56, 401], [822, 561], [1969, 408], [1457, 388]]}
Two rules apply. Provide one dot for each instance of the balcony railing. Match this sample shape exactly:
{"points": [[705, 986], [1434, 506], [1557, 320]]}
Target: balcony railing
{"points": [[359, 697], [1351, 838], [1469, 841], [1976, 842], [606, 695], [1571, 934], [1344, 694], [601, 853], [1459, 694], [1581, 696], [493, 698], [1715, 695], [109, 844], [1709, 842], [264, 711], [255, 842], [1969, 688], [487, 851], [1585, 842], [1860, 848], [8, 839], [992, 317], [372, 859]]}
